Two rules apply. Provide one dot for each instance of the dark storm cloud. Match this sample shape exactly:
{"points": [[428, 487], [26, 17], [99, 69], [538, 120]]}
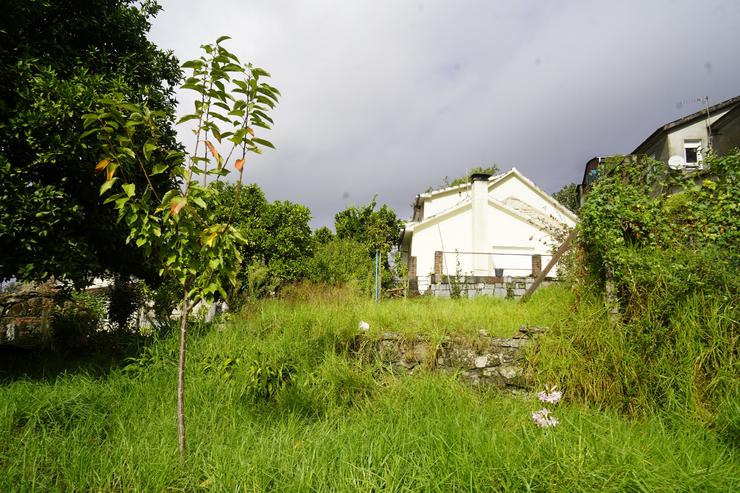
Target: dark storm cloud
{"points": [[388, 97]]}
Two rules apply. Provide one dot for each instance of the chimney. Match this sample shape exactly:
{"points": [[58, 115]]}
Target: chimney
{"points": [[479, 197]]}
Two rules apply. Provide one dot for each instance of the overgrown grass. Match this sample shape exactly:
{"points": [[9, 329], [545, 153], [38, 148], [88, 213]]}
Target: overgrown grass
{"points": [[425, 315], [335, 424], [684, 364]]}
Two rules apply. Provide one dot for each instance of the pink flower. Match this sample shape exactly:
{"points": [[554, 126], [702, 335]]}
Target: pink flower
{"points": [[544, 419], [551, 398]]}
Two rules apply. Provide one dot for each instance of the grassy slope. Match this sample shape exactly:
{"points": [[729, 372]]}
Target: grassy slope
{"points": [[340, 426]]}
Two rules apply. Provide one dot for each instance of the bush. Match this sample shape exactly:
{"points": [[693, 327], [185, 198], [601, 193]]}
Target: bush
{"points": [[75, 322], [671, 260], [341, 261]]}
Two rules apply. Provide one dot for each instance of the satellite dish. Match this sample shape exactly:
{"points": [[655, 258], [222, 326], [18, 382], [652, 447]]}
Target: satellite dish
{"points": [[676, 162]]}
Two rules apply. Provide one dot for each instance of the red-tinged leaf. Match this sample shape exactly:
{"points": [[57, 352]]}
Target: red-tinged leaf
{"points": [[177, 204], [102, 165], [212, 148], [111, 170], [250, 131], [239, 164]]}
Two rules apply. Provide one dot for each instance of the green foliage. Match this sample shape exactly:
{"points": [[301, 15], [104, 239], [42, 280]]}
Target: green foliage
{"points": [[323, 235], [125, 297], [376, 229], [265, 380], [76, 321], [568, 196], [665, 245], [341, 260], [56, 60], [288, 244], [656, 245], [201, 254], [489, 170], [276, 234], [259, 282]]}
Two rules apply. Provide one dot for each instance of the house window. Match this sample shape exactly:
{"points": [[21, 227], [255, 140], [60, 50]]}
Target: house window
{"points": [[692, 152]]}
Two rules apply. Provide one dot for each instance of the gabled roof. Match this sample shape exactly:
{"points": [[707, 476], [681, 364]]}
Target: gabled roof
{"points": [[528, 214], [686, 120]]}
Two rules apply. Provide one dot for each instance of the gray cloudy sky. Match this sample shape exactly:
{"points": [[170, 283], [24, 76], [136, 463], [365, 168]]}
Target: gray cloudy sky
{"points": [[388, 97]]}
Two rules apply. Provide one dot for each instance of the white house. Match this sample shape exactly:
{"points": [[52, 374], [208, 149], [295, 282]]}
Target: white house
{"points": [[494, 226]]}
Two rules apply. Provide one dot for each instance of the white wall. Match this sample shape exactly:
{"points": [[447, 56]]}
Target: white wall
{"points": [[448, 235], [512, 186], [445, 201], [510, 238]]}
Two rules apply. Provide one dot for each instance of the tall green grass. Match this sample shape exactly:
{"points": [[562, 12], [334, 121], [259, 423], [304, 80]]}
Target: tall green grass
{"points": [[336, 424], [685, 363]]}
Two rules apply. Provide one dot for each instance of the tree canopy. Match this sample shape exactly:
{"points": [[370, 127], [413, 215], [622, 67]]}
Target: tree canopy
{"points": [[57, 59], [568, 196], [376, 229]]}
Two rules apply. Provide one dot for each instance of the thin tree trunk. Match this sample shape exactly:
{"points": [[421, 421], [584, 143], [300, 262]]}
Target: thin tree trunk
{"points": [[181, 378]]}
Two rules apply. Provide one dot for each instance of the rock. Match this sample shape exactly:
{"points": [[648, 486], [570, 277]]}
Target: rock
{"points": [[481, 361]]}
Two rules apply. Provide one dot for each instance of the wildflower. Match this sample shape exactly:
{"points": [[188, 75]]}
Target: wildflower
{"points": [[550, 395], [544, 419], [364, 325]]}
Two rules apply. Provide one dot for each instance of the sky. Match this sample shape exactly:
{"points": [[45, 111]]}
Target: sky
{"points": [[389, 97]]}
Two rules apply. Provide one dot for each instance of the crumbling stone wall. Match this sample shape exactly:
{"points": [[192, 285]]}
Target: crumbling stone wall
{"points": [[483, 360], [25, 315]]}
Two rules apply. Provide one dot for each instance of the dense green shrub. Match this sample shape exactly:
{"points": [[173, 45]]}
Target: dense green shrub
{"points": [[341, 261], [665, 245], [76, 321]]}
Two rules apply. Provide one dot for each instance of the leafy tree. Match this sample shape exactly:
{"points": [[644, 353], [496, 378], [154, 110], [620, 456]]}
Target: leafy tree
{"points": [[323, 235], [376, 229], [288, 244], [339, 261], [568, 196], [56, 60], [199, 253], [277, 234]]}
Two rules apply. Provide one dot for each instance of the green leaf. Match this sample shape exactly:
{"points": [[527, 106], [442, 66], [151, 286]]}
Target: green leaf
{"points": [[188, 118], [221, 39], [263, 142], [129, 188], [158, 168], [106, 186]]}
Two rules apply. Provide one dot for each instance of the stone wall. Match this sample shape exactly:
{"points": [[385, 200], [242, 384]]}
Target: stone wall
{"points": [[482, 360], [25, 315]]}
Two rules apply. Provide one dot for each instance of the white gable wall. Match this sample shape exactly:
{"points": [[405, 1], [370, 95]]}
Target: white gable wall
{"points": [[445, 201], [513, 186]]}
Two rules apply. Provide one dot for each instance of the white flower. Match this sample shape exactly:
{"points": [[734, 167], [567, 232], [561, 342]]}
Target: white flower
{"points": [[364, 325]]}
